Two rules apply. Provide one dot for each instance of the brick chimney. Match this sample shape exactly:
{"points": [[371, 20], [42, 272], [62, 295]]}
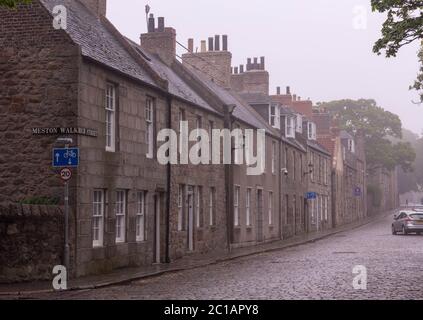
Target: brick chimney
{"points": [[98, 7], [214, 62], [160, 41], [254, 80]]}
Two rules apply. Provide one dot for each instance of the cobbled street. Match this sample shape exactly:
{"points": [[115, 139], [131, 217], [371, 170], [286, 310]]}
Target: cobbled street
{"points": [[320, 270]]}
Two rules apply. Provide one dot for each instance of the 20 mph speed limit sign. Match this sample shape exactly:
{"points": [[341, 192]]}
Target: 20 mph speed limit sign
{"points": [[65, 174]]}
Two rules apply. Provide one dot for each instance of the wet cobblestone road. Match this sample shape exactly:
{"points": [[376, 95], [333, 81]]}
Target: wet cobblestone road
{"points": [[320, 270]]}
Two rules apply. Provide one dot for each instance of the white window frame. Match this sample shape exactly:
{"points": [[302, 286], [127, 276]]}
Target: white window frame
{"points": [[110, 117], [198, 206], [351, 145], [326, 208], [290, 127], [274, 116], [248, 207], [180, 207], [212, 195], [312, 131], [141, 216], [270, 208], [299, 123], [120, 211], [149, 130], [211, 127], [98, 217], [237, 191]]}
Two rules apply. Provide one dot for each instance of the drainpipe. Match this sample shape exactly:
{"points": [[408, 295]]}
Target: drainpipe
{"points": [[280, 190], [168, 177], [229, 182]]}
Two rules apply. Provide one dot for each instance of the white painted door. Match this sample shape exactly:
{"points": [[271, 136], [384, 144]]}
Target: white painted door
{"points": [[157, 231], [190, 222]]}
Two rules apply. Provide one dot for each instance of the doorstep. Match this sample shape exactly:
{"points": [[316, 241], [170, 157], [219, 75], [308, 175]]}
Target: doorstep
{"points": [[127, 275]]}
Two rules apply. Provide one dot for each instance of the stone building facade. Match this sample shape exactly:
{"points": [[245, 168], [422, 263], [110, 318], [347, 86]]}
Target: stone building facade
{"points": [[349, 171], [127, 208]]}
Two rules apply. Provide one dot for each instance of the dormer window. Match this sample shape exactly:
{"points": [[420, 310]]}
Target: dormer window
{"points": [[274, 117], [290, 123], [299, 126], [312, 131]]}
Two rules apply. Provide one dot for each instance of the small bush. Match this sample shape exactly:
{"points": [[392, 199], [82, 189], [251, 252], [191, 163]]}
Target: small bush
{"points": [[41, 201]]}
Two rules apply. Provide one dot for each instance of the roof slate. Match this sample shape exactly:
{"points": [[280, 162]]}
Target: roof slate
{"points": [[96, 42]]}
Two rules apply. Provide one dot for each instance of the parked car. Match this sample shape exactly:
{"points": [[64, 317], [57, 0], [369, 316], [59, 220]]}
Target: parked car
{"points": [[410, 221]]}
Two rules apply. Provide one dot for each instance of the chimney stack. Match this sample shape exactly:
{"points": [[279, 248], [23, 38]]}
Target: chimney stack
{"points": [[161, 42], [213, 62], [98, 7], [236, 70], [288, 90], [241, 68], [217, 43]]}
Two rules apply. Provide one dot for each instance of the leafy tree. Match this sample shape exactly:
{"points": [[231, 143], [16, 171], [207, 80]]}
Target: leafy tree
{"points": [[404, 25], [12, 3], [379, 127], [413, 181]]}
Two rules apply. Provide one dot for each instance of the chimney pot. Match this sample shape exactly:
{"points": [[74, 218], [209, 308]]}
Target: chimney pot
{"points": [[191, 45], [288, 90], [211, 44], [161, 24], [248, 64], [262, 63], [203, 46], [236, 70], [278, 91], [225, 42], [151, 23], [217, 43], [294, 97], [255, 65], [241, 68]]}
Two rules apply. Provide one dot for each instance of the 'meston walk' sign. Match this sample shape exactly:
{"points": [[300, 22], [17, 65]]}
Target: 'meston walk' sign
{"points": [[65, 131]]}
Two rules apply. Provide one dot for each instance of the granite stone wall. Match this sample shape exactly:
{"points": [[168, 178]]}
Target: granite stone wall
{"points": [[31, 242]]}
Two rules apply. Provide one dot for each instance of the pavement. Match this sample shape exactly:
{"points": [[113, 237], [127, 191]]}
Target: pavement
{"points": [[104, 286]]}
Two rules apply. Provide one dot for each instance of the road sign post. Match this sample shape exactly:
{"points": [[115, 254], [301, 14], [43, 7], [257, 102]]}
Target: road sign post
{"points": [[66, 158]]}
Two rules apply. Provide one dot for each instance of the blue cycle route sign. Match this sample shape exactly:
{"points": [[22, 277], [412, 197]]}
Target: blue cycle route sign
{"points": [[66, 158]]}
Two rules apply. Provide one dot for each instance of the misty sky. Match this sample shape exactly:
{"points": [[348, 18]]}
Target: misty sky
{"points": [[310, 45]]}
